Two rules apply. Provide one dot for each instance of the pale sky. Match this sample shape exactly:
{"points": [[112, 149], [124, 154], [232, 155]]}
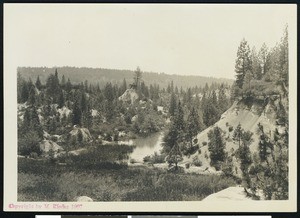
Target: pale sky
{"points": [[174, 39]]}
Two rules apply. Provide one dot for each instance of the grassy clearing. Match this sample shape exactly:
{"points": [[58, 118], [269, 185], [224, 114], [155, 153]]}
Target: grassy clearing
{"points": [[41, 181]]}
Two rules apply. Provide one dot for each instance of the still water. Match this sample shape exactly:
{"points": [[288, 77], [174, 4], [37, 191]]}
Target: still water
{"points": [[147, 146]]}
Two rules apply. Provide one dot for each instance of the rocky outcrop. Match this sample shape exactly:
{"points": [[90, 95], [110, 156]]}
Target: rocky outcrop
{"points": [[129, 95], [86, 135], [48, 145]]}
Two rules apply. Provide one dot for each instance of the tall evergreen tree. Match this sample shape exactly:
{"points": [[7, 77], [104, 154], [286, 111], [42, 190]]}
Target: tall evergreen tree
{"points": [[256, 65], [173, 105], [137, 77], [263, 60], [216, 147], [243, 62], [61, 99], [237, 134], [76, 113], [32, 96], [175, 134], [52, 87], [38, 83], [63, 81], [193, 126], [24, 92]]}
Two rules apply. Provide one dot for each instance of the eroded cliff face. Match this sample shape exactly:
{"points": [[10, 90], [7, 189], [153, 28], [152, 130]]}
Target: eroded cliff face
{"points": [[249, 114]]}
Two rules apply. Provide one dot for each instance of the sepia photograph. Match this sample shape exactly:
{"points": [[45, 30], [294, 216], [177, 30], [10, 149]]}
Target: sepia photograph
{"points": [[148, 107]]}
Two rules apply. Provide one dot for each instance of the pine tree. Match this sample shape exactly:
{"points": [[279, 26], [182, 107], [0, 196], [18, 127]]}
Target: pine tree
{"points": [[24, 92], [137, 78], [175, 134], [193, 126], [88, 118], [256, 65], [263, 144], [247, 81], [223, 101], [109, 96], [68, 86], [243, 62], [124, 86], [31, 122], [210, 112], [63, 81], [52, 87], [216, 147], [32, 96], [83, 102], [38, 83], [263, 60], [61, 99], [76, 113], [237, 134], [284, 62], [173, 105]]}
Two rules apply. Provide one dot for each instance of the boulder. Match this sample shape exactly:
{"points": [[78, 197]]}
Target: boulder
{"points": [[86, 135], [48, 145], [84, 199], [129, 95]]}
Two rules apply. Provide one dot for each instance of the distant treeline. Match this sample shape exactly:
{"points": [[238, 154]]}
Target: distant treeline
{"points": [[102, 76]]}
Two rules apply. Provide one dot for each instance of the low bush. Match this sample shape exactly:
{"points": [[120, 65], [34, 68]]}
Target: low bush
{"points": [[155, 158], [197, 162]]}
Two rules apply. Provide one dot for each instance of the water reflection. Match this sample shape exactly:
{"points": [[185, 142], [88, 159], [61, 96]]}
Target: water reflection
{"points": [[146, 146]]}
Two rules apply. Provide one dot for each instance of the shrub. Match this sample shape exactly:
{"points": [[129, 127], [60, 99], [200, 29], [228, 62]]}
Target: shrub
{"points": [[104, 156], [205, 155], [230, 128], [147, 158], [204, 143], [197, 162], [133, 161], [155, 158], [29, 143], [190, 150], [187, 165]]}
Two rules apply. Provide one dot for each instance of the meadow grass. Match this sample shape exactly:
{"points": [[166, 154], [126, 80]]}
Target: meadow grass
{"points": [[42, 181]]}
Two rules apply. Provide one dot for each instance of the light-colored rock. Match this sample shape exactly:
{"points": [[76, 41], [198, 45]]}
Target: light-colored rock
{"points": [[86, 135], [129, 95], [63, 111], [229, 194], [94, 113], [48, 145], [77, 152], [84, 199]]}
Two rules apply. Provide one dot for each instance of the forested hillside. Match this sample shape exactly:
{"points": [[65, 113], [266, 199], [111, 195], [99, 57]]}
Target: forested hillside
{"points": [[102, 76]]}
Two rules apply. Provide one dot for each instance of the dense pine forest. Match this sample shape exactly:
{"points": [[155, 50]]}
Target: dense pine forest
{"points": [[76, 136]]}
